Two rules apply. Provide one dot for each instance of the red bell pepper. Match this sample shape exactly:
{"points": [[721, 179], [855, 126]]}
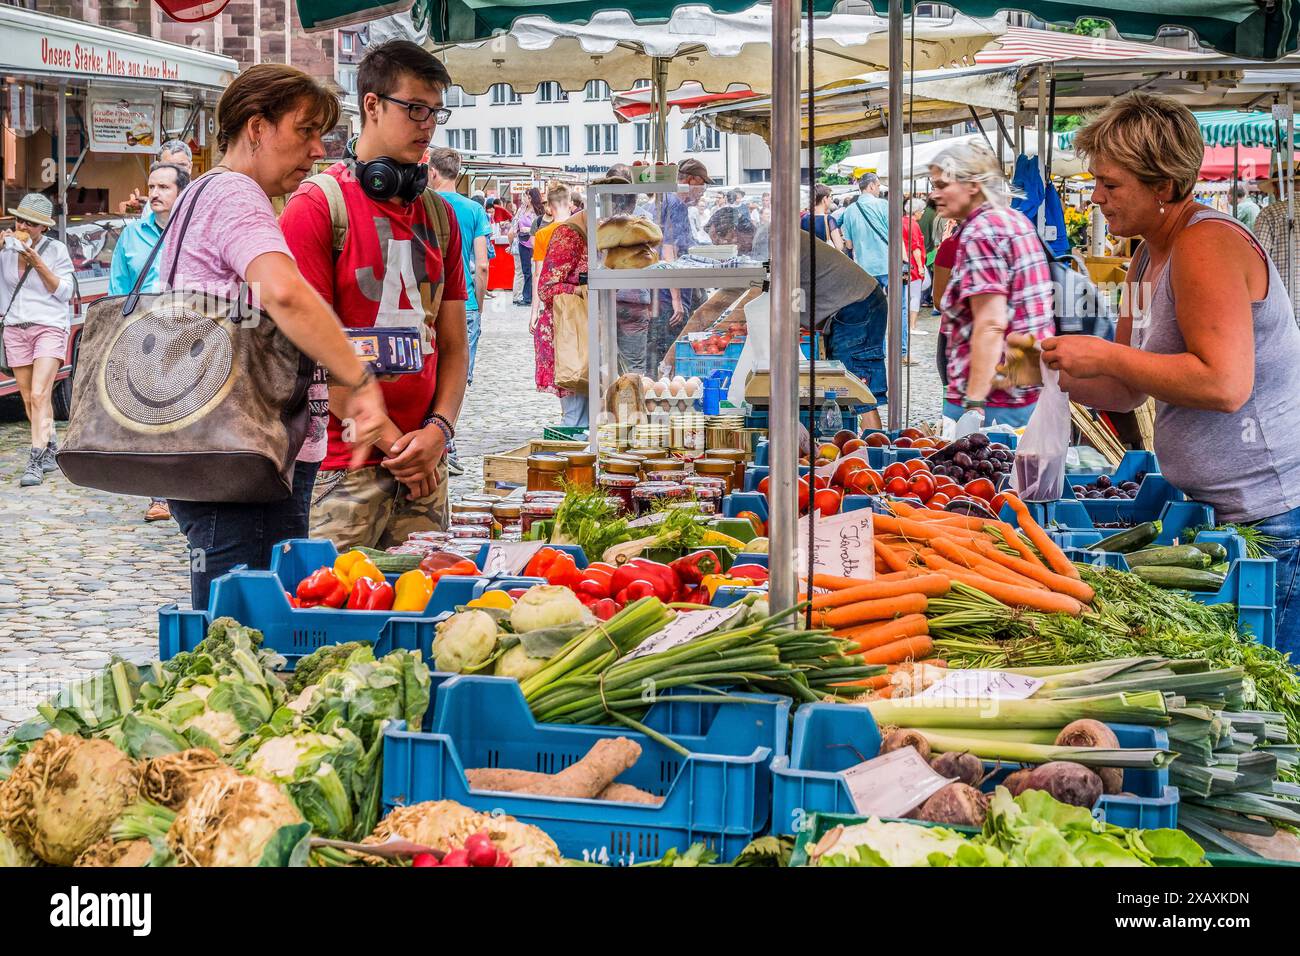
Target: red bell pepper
{"points": [[604, 609], [462, 568], [667, 585], [538, 563], [697, 595], [593, 587], [692, 568], [563, 571], [755, 572], [293, 601], [368, 595], [322, 588], [635, 591], [601, 572]]}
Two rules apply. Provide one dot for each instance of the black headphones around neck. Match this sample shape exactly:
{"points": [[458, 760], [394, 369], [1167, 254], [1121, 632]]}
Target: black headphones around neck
{"points": [[383, 178]]}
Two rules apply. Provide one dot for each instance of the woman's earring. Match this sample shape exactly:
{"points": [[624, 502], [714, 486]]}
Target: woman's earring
{"points": [[1162, 207]]}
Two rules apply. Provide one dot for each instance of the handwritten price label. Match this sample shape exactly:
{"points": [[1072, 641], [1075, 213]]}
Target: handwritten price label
{"points": [[982, 685], [842, 545], [893, 784], [686, 626], [510, 557]]}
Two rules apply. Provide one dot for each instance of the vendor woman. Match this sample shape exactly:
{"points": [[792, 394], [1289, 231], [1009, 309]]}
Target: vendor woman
{"points": [[1206, 329]]}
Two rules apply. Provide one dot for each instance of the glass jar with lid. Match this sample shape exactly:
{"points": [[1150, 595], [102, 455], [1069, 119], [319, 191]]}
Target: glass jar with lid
{"points": [[534, 511], [545, 472], [505, 514], [649, 494], [620, 487], [580, 468], [717, 468], [621, 466], [738, 457], [707, 488]]}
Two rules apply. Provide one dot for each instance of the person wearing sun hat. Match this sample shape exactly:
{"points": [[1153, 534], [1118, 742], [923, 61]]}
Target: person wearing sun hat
{"points": [[35, 293]]}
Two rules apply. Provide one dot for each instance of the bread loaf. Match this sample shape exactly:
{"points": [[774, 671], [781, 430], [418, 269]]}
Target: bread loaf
{"points": [[631, 257], [627, 231]]}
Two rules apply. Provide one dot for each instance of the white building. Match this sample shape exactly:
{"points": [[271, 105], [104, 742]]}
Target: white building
{"points": [[580, 133]]}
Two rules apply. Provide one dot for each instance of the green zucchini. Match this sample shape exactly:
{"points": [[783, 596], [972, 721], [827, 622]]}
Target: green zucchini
{"points": [[1184, 579], [1180, 556], [391, 563], [1216, 551], [1130, 539]]}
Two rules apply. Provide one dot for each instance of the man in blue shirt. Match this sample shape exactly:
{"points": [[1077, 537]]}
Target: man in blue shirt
{"points": [[475, 230], [866, 229], [137, 241]]}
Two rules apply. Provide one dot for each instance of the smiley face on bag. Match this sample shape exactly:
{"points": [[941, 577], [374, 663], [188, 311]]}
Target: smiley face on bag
{"points": [[167, 368]]}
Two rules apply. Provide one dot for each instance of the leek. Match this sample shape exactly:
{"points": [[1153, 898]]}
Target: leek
{"points": [[1016, 752], [1145, 707]]}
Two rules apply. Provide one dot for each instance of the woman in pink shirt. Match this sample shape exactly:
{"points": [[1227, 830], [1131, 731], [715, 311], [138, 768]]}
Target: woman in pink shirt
{"points": [[270, 122]]}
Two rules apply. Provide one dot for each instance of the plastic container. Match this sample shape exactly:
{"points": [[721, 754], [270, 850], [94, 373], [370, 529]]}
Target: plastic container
{"points": [[719, 795], [1157, 500], [810, 780], [829, 419], [1130, 466]]}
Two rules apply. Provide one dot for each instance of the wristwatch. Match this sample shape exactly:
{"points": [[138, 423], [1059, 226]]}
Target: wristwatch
{"points": [[969, 404]]}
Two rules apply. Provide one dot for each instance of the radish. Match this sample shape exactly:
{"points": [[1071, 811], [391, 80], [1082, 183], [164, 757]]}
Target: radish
{"points": [[479, 850], [424, 859], [456, 858], [503, 859]]}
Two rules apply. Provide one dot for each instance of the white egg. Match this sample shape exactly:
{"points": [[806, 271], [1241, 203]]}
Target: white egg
{"points": [[647, 383], [679, 382], [694, 386], [676, 391], [660, 390]]}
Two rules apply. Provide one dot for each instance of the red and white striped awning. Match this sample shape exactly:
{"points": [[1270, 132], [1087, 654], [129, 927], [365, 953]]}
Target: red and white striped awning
{"points": [[635, 104], [1022, 45]]}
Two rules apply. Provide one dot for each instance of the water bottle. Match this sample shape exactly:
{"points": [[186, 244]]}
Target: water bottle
{"points": [[831, 419]]}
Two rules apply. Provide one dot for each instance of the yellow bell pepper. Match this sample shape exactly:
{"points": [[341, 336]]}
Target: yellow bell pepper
{"points": [[499, 600], [711, 583], [354, 565], [712, 537], [413, 590]]}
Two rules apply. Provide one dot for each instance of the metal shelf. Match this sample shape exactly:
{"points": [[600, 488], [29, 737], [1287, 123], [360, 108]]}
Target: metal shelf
{"points": [[683, 278], [623, 189]]}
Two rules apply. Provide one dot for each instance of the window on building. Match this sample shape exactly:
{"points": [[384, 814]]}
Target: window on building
{"points": [[597, 90], [465, 140], [645, 137], [552, 93], [347, 42], [503, 95], [553, 140], [561, 141], [602, 137], [499, 141], [348, 81], [456, 98], [642, 85], [515, 140], [703, 139]]}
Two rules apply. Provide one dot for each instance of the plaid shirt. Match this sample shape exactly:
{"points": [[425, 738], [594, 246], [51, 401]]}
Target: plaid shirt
{"points": [[1271, 231], [998, 253]]}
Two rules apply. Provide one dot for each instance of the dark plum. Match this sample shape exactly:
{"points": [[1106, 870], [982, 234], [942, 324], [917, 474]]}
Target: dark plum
{"points": [[962, 460], [1103, 482], [962, 444], [985, 467], [978, 440]]}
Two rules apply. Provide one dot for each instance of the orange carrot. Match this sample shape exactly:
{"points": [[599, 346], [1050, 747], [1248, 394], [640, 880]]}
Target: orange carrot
{"points": [[885, 692], [973, 560], [930, 585], [1054, 556], [1050, 601], [870, 683], [965, 522], [880, 634], [834, 583], [917, 529], [889, 557], [1013, 539], [909, 648], [1056, 582], [879, 610]]}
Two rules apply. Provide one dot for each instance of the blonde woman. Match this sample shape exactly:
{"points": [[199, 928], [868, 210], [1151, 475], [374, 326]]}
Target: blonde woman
{"points": [[1206, 329], [1000, 284]]}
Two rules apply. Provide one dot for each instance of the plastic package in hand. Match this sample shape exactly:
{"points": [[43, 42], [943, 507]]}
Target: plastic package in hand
{"points": [[970, 422]]}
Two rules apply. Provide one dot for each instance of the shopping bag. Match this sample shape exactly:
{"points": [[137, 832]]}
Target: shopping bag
{"points": [[1039, 473], [569, 317]]}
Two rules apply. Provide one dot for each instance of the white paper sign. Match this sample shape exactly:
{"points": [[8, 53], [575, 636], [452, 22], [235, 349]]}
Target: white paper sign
{"points": [[686, 626], [842, 545], [828, 471], [510, 557], [981, 685], [893, 784]]}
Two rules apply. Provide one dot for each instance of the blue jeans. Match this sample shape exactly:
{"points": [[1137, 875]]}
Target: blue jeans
{"points": [[473, 325], [1011, 417], [856, 336], [224, 534], [884, 284], [574, 409], [1286, 528], [526, 269]]}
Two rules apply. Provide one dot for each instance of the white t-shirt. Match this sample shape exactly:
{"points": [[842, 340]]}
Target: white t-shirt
{"points": [[36, 304]]}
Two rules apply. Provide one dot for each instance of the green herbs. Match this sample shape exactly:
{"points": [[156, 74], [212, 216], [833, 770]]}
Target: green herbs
{"points": [[586, 518]]}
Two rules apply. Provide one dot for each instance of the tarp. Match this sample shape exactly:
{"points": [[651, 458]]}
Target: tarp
{"points": [[916, 160], [1225, 128], [1253, 163]]}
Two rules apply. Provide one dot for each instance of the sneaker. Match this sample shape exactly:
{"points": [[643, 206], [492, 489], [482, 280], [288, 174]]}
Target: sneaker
{"points": [[919, 332], [48, 463], [158, 510], [454, 467], [34, 474]]}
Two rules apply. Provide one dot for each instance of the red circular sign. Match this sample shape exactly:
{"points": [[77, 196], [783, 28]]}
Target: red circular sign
{"points": [[192, 11]]}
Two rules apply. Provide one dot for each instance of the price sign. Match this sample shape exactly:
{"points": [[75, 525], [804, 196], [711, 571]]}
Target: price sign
{"points": [[981, 685], [510, 557], [686, 626], [892, 784], [828, 471], [842, 545]]}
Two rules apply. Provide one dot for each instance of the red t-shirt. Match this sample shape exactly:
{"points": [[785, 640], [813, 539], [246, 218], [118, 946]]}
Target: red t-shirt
{"points": [[915, 246], [946, 255], [372, 285]]}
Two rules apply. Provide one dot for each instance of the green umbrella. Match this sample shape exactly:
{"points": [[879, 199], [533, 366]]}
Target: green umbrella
{"points": [[1247, 28], [1222, 128]]}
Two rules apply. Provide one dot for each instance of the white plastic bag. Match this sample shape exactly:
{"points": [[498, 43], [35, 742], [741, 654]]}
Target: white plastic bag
{"points": [[1039, 474]]}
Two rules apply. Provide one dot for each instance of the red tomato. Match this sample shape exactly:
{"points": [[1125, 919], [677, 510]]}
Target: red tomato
{"points": [[827, 501], [998, 501], [865, 482], [915, 465], [762, 485], [896, 470], [803, 494], [937, 501], [877, 439], [902, 442], [847, 467], [912, 433], [981, 488], [897, 487], [821, 481], [943, 481], [922, 486]]}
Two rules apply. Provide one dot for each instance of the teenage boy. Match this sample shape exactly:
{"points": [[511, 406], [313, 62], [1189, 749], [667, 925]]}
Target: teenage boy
{"points": [[384, 251]]}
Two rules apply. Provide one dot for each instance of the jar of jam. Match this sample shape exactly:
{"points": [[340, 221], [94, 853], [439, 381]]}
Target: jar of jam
{"points": [[474, 519], [701, 507], [738, 457], [534, 511], [463, 507], [545, 473], [512, 532], [621, 466], [620, 487], [505, 514], [649, 494], [488, 500], [717, 468], [463, 532], [706, 488], [580, 468], [530, 496]]}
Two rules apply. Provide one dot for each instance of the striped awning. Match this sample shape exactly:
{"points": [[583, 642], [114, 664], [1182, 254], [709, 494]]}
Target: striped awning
{"points": [[1224, 128], [1021, 45]]}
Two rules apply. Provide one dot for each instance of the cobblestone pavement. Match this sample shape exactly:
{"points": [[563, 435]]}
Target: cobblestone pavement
{"points": [[82, 575]]}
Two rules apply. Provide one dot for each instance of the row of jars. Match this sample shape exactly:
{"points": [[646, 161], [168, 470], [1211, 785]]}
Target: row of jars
{"points": [[550, 472]]}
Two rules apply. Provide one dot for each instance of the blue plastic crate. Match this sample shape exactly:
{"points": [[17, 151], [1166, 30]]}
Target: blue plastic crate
{"points": [[1157, 500], [1130, 466], [719, 795], [757, 418], [1251, 583], [760, 452], [830, 738], [579, 556], [736, 502]]}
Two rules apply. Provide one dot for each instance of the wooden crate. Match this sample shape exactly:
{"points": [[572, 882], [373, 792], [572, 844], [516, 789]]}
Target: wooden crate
{"points": [[511, 467]]}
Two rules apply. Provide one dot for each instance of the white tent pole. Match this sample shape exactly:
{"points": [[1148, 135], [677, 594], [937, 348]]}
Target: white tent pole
{"points": [[894, 351], [1290, 182], [783, 411]]}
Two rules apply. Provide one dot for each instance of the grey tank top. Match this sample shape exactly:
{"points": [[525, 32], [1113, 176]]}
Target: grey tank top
{"points": [[1246, 464]]}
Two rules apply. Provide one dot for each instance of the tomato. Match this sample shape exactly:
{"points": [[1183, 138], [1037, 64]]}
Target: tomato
{"points": [[916, 464], [981, 488], [827, 501], [923, 443], [760, 529], [877, 439], [937, 501], [896, 470], [846, 470], [762, 485], [803, 494], [901, 442], [912, 433], [852, 445], [921, 486], [865, 482], [821, 481], [897, 487]]}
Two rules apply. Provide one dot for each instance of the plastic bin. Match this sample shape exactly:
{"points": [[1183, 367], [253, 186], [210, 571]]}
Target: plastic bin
{"points": [[830, 738], [1251, 583], [1157, 500], [719, 795], [1130, 466], [564, 433]]}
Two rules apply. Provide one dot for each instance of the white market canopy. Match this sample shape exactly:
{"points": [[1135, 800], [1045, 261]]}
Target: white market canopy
{"points": [[713, 50], [917, 159]]}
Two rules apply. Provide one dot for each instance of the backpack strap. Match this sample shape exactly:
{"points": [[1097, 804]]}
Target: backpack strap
{"points": [[338, 207], [437, 213]]}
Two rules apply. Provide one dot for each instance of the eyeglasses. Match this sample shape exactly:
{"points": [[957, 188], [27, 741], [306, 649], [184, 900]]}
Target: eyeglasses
{"points": [[418, 112]]}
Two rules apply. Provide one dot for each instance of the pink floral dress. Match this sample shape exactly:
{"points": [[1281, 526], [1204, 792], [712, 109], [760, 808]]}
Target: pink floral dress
{"points": [[566, 260]]}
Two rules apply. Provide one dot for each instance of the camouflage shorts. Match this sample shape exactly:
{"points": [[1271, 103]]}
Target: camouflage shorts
{"points": [[369, 508]]}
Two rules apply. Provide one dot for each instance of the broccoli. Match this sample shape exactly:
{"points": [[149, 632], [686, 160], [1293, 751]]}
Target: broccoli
{"points": [[320, 662]]}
